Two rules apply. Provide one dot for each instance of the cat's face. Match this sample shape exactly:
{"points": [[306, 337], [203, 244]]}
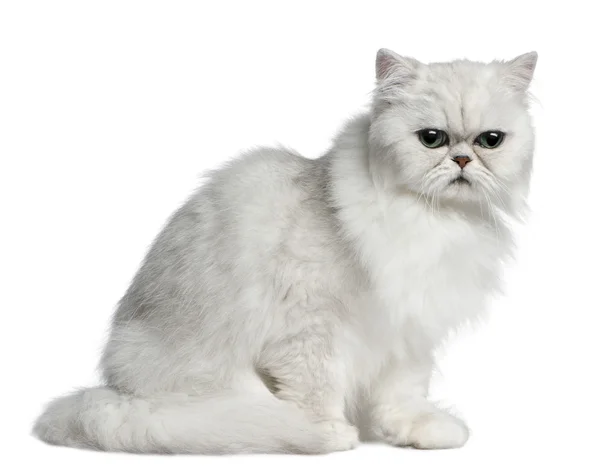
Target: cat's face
{"points": [[456, 131]]}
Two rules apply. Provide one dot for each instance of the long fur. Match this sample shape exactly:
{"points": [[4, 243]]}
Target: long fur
{"points": [[291, 301], [104, 419]]}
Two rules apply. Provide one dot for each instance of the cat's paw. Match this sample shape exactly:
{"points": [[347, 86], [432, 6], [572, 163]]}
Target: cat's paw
{"points": [[338, 435], [438, 430], [427, 430]]}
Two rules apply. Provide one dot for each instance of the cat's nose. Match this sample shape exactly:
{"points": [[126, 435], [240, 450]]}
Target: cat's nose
{"points": [[461, 160]]}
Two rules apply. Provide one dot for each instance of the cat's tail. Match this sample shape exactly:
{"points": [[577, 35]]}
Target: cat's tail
{"points": [[103, 419]]}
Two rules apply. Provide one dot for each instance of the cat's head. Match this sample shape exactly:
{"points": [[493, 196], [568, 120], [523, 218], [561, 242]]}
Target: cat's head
{"points": [[458, 131]]}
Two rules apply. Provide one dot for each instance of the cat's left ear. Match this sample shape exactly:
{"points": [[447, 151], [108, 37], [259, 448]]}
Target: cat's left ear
{"points": [[519, 71]]}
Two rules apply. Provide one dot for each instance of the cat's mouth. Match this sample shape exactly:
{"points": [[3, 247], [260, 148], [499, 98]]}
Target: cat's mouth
{"points": [[460, 180]]}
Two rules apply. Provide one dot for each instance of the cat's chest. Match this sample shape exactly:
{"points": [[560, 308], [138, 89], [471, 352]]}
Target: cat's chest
{"points": [[432, 273]]}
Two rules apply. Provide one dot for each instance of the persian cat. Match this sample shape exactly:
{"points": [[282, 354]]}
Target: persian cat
{"points": [[295, 305]]}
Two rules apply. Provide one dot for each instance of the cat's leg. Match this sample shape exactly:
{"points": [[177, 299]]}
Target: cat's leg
{"points": [[304, 369], [401, 414]]}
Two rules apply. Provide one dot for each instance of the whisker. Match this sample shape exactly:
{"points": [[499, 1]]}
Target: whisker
{"points": [[492, 213]]}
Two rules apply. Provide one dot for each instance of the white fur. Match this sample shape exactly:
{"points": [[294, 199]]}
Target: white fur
{"points": [[290, 301]]}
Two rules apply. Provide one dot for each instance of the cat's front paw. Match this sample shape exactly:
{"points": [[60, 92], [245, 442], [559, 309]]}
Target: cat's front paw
{"points": [[338, 435], [438, 430], [427, 430]]}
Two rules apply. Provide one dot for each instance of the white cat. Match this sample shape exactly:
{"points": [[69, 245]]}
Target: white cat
{"points": [[291, 300]]}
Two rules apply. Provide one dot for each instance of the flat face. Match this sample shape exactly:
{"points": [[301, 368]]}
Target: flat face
{"points": [[457, 131]]}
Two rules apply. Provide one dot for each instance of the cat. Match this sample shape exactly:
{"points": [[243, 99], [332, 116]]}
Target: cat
{"points": [[295, 305]]}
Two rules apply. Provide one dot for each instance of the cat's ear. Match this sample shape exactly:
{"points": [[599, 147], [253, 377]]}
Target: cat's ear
{"points": [[390, 64], [518, 72]]}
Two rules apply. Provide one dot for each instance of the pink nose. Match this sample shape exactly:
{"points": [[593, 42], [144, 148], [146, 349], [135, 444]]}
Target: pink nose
{"points": [[462, 160]]}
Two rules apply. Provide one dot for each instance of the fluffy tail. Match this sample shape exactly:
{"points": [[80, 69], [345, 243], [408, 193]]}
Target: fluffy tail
{"points": [[103, 419]]}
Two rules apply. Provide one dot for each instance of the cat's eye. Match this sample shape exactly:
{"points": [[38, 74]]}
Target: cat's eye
{"points": [[433, 138], [490, 139]]}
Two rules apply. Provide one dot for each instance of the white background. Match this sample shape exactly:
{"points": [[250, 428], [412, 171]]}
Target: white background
{"points": [[109, 111]]}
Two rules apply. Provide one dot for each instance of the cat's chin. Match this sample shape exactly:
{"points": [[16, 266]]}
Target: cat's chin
{"points": [[458, 194], [460, 189]]}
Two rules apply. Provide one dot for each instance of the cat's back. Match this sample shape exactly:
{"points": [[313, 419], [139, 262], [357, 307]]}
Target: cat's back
{"points": [[254, 197], [227, 231], [264, 175]]}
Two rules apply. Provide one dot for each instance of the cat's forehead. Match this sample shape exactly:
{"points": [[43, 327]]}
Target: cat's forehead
{"points": [[463, 98]]}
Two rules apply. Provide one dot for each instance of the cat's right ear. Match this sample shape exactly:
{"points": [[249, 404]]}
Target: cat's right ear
{"points": [[389, 64]]}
